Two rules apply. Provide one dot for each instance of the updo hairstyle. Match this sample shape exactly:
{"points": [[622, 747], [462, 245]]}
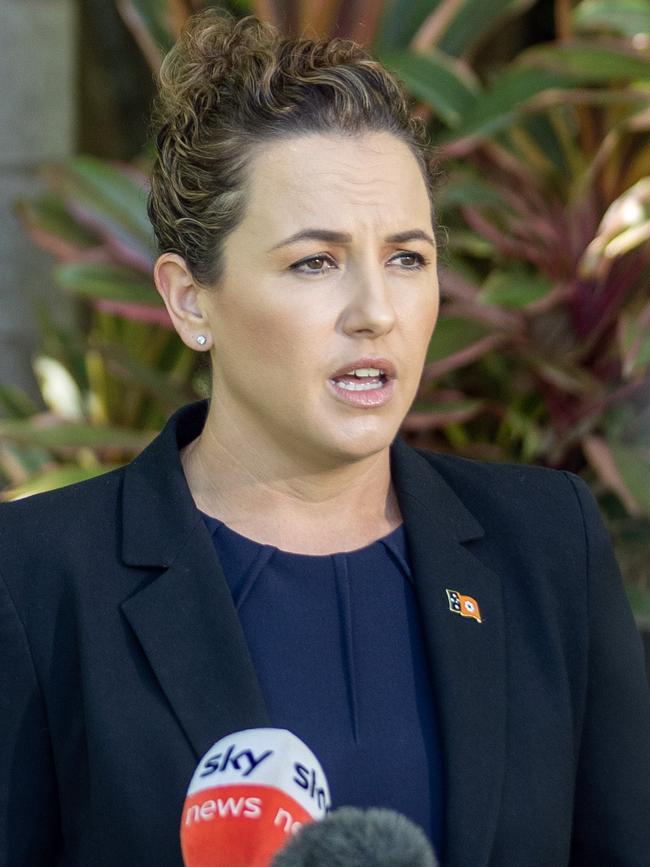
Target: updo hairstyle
{"points": [[228, 87]]}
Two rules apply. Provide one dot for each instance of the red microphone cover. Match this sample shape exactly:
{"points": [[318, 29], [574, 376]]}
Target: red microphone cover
{"points": [[250, 791]]}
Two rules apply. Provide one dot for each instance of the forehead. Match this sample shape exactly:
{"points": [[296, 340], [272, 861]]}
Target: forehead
{"points": [[374, 177]]}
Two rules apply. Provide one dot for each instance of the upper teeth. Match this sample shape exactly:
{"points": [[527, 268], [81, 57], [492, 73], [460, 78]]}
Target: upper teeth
{"points": [[366, 371]]}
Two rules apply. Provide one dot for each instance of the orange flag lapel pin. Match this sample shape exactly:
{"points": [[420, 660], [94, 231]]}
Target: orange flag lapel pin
{"points": [[466, 606]]}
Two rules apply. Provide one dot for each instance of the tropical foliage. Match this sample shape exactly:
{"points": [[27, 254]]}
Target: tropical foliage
{"points": [[542, 351]]}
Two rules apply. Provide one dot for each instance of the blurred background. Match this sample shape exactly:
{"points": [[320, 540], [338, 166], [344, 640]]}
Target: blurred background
{"points": [[540, 113]]}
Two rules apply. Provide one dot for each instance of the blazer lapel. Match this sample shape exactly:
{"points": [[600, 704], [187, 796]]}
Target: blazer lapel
{"points": [[186, 623], [467, 658], [184, 618]]}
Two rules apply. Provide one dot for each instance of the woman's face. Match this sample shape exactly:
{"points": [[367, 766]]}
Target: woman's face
{"points": [[332, 270]]}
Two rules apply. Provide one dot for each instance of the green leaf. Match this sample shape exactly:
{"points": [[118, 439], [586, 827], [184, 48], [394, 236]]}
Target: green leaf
{"points": [[465, 189], [401, 19], [58, 478], [626, 17], [75, 436], [515, 289], [476, 20], [520, 427], [541, 141], [508, 97], [112, 282], [153, 378], [589, 62], [15, 403], [29, 459], [463, 241], [152, 16], [633, 463], [634, 341], [424, 414], [48, 215], [434, 78], [452, 334], [639, 599]]}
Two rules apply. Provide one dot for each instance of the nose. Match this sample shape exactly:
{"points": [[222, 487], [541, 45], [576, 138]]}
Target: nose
{"points": [[369, 311]]}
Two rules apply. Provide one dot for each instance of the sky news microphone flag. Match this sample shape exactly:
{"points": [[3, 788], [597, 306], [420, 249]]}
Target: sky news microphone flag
{"points": [[249, 793]]}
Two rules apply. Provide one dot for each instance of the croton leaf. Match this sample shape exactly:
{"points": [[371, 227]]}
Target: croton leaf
{"points": [[633, 464], [15, 403], [515, 289], [53, 227], [149, 23], [626, 17], [453, 334], [457, 342], [435, 78], [634, 340], [430, 414], [400, 22], [475, 20], [602, 459], [511, 94], [111, 200], [639, 599], [624, 226], [20, 462], [136, 312], [588, 62], [110, 282], [52, 435]]}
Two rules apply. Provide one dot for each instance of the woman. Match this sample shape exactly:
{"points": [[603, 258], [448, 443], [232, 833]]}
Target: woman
{"points": [[277, 556]]}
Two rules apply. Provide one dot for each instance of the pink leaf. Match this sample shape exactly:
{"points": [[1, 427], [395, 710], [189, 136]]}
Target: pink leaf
{"points": [[466, 356], [135, 312]]}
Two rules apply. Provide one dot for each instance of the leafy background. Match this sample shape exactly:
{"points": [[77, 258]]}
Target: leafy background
{"points": [[540, 117]]}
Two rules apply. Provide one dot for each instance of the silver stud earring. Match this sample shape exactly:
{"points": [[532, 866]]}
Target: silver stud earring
{"points": [[201, 339]]}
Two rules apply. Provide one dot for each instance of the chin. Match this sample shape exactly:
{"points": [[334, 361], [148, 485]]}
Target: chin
{"points": [[356, 442]]}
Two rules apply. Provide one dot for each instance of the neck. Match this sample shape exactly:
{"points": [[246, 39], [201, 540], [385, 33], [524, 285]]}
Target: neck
{"points": [[287, 501]]}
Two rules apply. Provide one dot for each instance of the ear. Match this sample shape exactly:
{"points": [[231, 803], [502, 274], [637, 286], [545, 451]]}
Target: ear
{"points": [[182, 296]]}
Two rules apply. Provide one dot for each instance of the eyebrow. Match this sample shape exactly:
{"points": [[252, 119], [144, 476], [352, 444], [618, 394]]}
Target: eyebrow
{"points": [[331, 237]]}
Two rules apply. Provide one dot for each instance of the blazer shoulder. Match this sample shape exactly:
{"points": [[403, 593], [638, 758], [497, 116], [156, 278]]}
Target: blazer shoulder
{"points": [[46, 521], [511, 476], [59, 501], [529, 498]]}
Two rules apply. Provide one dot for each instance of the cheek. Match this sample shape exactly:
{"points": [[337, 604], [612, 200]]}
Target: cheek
{"points": [[430, 318], [420, 320], [275, 337]]}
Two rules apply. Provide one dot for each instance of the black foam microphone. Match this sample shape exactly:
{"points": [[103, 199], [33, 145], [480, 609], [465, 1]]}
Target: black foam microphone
{"points": [[350, 837]]}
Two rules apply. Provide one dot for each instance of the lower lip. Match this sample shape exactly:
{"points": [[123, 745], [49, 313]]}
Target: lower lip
{"points": [[365, 399]]}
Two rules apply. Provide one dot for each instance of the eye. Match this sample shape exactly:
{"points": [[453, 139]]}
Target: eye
{"points": [[305, 265], [420, 260]]}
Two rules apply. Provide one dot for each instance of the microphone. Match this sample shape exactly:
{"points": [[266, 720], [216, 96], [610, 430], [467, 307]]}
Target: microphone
{"points": [[350, 837], [249, 793]]}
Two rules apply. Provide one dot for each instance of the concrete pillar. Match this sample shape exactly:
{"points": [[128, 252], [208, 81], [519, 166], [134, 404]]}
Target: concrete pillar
{"points": [[37, 124]]}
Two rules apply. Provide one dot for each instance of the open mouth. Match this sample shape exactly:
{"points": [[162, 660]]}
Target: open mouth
{"points": [[367, 382], [361, 379]]}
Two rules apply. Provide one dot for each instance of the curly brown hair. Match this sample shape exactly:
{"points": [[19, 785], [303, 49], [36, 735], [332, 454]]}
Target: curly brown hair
{"points": [[227, 87]]}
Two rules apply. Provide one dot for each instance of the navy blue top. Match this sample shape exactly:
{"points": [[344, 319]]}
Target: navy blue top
{"points": [[338, 649]]}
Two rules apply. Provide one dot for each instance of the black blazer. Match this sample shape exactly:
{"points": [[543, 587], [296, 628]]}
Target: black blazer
{"points": [[122, 661]]}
